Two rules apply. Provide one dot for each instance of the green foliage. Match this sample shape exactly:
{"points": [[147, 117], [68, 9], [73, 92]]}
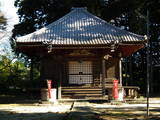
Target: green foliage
{"points": [[14, 74], [11, 72]]}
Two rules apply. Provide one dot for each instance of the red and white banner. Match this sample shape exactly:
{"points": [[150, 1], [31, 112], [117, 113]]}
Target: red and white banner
{"points": [[49, 84], [115, 89]]}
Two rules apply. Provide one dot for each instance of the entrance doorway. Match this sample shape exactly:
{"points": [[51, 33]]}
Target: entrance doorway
{"points": [[80, 72]]}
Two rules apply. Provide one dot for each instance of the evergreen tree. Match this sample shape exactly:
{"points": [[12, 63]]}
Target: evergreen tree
{"points": [[129, 14], [2, 21]]}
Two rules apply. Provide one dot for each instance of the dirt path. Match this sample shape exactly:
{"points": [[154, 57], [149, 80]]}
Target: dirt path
{"points": [[86, 110], [33, 111], [105, 111]]}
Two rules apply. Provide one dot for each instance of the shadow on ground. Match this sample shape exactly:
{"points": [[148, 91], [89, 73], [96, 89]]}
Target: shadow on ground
{"points": [[136, 113], [9, 115], [78, 113], [115, 113], [75, 115], [17, 99]]}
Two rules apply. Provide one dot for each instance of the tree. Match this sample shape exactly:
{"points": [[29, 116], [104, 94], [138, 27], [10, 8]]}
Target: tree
{"points": [[13, 73], [43, 12], [2, 21], [2, 25], [129, 14]]}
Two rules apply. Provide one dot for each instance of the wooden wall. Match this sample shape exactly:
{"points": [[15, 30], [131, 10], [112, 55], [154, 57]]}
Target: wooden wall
{"points": [[50, 69], [112, 68], [55, 67]]}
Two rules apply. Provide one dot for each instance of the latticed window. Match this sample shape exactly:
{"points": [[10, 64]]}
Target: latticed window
{"points": [[80, 72]]}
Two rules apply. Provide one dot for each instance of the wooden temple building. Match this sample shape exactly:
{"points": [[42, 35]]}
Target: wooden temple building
{"points": [[80, 53]]}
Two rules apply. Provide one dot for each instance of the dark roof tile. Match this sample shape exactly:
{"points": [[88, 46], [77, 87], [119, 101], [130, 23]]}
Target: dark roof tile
{"points": [[79, 27]]}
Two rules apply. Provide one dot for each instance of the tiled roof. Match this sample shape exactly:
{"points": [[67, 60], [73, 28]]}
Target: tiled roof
{"points": [[79, 27]]}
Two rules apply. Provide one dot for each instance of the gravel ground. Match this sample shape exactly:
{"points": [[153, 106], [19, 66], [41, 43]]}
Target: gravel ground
{"points": [[84, 110]]}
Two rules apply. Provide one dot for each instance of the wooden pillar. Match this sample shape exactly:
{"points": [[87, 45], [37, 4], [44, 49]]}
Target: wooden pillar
{"points": [[130, 71], [42, 72], [120, 71], [151, 69], [126, 71], [60, 80], [59, 85], [103, 76], [31, 72]]}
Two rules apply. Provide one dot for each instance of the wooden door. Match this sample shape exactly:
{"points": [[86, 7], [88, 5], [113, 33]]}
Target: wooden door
{"points": [[80, 72]]}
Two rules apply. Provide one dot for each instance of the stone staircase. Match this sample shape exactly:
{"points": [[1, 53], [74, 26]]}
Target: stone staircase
{"points": [[81, 92]]}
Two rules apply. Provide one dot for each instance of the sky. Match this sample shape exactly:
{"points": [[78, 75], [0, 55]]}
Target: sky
{"points": [[9, 11]]}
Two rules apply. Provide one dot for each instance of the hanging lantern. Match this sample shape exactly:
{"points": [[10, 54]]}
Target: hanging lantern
{"points": [[49, 48], [113, 47]]}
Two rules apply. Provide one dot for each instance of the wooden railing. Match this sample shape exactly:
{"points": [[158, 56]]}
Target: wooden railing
{"points": [[131, 91]]}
